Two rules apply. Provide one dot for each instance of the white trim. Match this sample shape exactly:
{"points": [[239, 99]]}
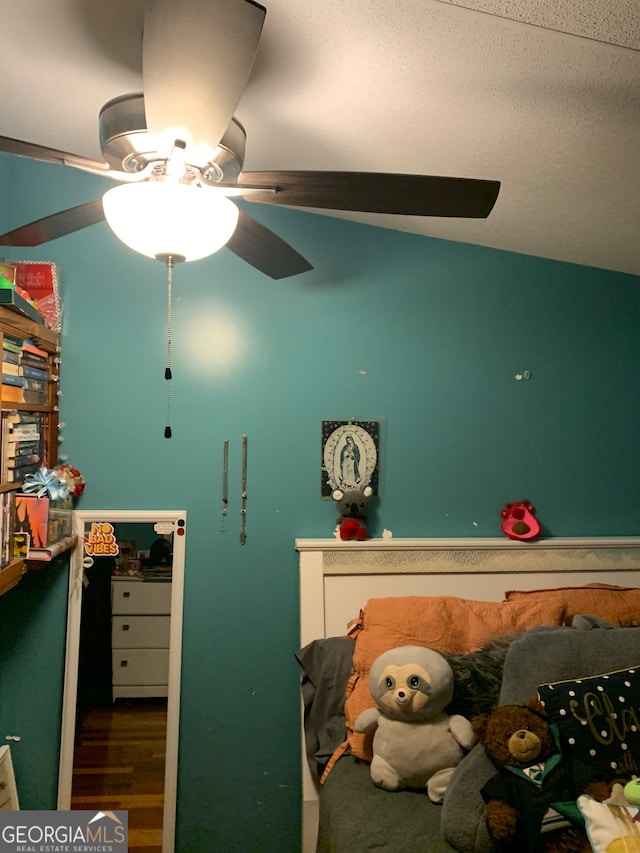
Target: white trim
{"points": [[472, 543], [67, 737]]}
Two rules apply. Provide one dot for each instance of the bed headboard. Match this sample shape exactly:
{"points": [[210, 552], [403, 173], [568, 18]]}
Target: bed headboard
{"points": [[337, 578]]}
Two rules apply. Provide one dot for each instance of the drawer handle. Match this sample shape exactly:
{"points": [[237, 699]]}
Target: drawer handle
{"points": [[125, 627], [124, 663], [126, 594]]}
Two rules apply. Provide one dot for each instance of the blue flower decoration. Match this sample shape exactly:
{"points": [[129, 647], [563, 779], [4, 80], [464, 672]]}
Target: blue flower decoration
{"points": [[45, 483]]}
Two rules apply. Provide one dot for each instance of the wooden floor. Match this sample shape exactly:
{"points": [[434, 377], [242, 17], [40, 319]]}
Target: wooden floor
{"points": [[119, 764]]}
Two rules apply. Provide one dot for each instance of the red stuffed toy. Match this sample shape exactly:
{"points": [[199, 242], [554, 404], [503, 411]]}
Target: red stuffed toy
{"points": [[353, 512], [518, 521]]}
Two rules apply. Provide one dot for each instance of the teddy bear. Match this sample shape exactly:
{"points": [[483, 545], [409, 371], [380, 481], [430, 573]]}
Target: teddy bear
{"points": [[416, 744], [353, 505], [531, 800]]}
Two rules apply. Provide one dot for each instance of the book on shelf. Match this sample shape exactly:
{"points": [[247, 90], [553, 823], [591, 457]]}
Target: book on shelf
{"points": [[10, 357], [64, 544], [12, 344], [12, 393], [17, 475], [30, 349], [34, 384], [19, 427], [25, 417], [36, 398], [34, 372], [10, 379], [26, 448], [21, 438], [21, 461], [33, 361], [11, 368], [30, 432]]}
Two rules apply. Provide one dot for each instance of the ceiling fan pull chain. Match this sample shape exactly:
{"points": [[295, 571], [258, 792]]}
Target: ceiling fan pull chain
{"points": [[167, 370]]}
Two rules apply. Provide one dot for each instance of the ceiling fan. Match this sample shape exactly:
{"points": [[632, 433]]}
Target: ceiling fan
{"points": [[177, 153]]}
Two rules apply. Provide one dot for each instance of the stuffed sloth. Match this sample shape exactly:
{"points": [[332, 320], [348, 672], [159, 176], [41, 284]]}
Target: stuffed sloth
{"points": [[531, 801], [416, 743]]}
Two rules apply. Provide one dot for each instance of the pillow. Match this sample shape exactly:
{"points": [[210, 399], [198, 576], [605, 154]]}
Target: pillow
{"points": [[617, 604], [443, 623], [611, 828], [326, 667], [598, 718]]}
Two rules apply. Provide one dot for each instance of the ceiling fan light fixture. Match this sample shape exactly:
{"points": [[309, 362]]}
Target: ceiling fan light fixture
{"points": [[162, 218]]}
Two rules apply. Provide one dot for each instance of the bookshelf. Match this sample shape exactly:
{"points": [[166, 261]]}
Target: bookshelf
{"points": [[29, 406]]}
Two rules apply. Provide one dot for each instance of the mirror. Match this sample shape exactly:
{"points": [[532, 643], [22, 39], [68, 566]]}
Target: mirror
{"points": [[123, 657]]}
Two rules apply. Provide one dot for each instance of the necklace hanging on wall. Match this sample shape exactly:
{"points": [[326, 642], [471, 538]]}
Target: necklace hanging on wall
{"points": [[243, 507], [225, 483]]}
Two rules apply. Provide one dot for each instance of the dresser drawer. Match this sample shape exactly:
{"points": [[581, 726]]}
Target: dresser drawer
{"points": [[140, 632], [140, 597], [140, 666]]}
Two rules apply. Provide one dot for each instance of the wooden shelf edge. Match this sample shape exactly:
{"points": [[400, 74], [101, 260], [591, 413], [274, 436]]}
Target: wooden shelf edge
{"points": [[18, 324], [11, 575]]}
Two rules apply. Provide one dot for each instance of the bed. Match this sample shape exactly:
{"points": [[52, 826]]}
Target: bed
{"points": [[338, 579]]}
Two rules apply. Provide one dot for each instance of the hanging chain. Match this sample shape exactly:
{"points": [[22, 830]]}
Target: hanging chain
{"points": [[243, 509], [225, 483], [167, 370]]}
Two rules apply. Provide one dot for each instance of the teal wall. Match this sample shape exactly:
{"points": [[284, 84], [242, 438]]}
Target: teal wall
{"points": [[424, 335]]}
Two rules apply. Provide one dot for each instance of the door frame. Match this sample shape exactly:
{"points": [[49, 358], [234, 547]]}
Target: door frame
{"points": [[74, 609]]}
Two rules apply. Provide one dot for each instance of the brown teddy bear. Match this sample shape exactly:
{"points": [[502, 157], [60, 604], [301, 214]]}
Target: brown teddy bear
{"points": [[531, 801]]}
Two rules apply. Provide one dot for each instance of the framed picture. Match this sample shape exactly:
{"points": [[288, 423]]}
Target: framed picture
{"points": [[8, 790], [39, 279], [350, 456]]}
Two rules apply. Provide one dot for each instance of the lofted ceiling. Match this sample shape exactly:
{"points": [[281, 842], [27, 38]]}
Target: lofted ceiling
{"points": [[544, 97]]}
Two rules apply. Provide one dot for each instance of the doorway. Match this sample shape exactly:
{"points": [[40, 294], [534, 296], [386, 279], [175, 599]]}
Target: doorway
{"points": [[131, 557]]}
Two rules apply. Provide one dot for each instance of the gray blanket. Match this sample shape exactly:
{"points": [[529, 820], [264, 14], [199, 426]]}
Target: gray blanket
{"points": [[355, 816]]}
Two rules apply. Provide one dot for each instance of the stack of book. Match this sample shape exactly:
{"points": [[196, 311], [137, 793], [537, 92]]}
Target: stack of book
{"points": [[12, 379], [22, 445], [35, 373], [25, 372]]}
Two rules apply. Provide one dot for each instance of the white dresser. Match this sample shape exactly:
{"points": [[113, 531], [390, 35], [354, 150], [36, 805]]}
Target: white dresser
{"points": [[140, 620]]}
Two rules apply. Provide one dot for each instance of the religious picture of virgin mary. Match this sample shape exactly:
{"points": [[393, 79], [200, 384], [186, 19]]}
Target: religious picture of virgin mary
{"points": [[350, 455]]}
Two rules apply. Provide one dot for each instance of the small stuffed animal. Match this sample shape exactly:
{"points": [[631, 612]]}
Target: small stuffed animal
{"points": [[416, 743], [353, 506], [518, 520], [535, 786], [632, 792]]}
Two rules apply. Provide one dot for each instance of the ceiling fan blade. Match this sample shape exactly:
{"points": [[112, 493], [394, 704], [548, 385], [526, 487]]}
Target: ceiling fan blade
{"points": [[56, 225], [196, 59], [52, 155], [375, 192], [264, 250]]}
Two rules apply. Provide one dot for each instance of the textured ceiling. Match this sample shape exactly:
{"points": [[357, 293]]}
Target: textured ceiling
{"points": [[551, 108], [610, 21]]}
